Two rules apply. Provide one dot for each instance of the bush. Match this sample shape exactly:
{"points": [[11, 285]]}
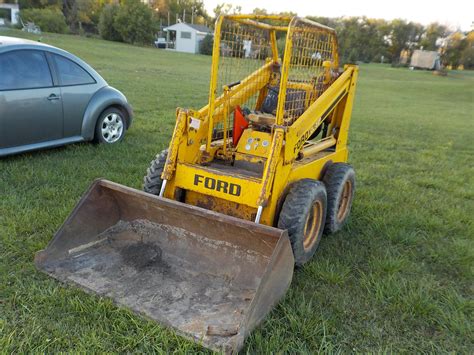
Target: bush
{"points": [[107, 28], [49, 19], [467, 57], [134, 22], [206, 45]]}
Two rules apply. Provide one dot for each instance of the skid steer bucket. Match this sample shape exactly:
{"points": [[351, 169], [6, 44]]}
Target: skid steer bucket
{"points": [[211, 277]]}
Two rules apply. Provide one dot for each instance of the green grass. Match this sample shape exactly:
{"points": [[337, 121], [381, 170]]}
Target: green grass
{"points": [[398, 278]]}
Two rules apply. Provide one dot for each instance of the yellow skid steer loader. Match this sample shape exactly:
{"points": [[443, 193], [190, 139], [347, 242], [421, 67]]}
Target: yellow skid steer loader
{"points": [[243, 193]]}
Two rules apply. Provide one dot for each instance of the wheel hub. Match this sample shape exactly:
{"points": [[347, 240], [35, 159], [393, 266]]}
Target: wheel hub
{"points": [[112, 128]]}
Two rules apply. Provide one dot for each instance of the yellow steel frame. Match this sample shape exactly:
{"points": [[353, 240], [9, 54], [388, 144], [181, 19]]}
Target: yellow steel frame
{"points": [[283, 152]]}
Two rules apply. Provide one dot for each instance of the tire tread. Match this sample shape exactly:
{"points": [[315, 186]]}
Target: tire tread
{"points": [[152, 180], [293, 215], [333, 179]]}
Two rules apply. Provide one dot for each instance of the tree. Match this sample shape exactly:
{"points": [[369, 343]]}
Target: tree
{"points": [[455, 46], [84, 15], [194, 10], [259, 11], [226, 9], [403, 35], [134, 22], [107, 26], [467, 55], [70, 12], [89, 14], [361, 38], [432, 33]]}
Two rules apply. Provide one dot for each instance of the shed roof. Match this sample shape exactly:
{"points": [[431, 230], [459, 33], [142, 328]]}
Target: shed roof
{"points": [[198, 28]]}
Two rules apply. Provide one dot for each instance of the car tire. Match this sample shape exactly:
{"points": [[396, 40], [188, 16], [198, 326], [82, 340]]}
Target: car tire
{"points": [[111, 126], [303, 214]]}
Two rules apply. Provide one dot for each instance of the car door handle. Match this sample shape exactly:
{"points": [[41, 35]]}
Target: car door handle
{"points": [[53, 97]]}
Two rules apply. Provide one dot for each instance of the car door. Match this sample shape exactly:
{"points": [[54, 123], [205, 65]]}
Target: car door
{"points": [[30, 106], [77, 88]]}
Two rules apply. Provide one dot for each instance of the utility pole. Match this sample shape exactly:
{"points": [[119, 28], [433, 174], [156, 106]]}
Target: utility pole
{"points": [[184, 15], [192, 15]]}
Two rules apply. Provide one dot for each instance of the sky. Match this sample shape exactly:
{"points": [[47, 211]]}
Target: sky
{"points": [[458, 14]]}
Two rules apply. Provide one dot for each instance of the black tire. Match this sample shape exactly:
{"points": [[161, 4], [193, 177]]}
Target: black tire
{"points": [[340, 186], [304, 206], [114, 118], [152, 181]]}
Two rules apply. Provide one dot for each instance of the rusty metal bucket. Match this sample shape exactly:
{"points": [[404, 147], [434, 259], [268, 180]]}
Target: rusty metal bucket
{"points": [[209, 276]]}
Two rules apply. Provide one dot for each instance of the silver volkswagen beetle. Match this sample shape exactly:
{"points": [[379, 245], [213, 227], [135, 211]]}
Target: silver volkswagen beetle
{"points": [[49, 97]]}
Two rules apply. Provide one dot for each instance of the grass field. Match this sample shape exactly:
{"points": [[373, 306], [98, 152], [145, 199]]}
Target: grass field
{"points": [[398, 278]]}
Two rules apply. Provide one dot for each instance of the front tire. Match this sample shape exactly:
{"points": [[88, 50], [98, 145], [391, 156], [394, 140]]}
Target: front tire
{"points": [[110, 127], [303, 214], [152, 181], [340, 185]]}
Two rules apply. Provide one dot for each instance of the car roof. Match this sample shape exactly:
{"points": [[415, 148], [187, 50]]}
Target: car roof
{"points": [[10, 41], [13, 43]]}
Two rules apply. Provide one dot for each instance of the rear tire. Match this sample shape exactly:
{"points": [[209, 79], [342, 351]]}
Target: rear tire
{"points": [[303, 214], [340, 185], [152, 181]]}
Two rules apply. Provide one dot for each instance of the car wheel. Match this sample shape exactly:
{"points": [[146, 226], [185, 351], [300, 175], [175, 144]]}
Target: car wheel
{"points": [[110, 126]]}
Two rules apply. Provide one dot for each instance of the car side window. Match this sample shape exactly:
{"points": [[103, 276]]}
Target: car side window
{"points": [[24, 69], [71, 73]]}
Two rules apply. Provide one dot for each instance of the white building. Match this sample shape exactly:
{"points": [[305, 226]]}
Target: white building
{"points": [[186, 36], [14, 12]]}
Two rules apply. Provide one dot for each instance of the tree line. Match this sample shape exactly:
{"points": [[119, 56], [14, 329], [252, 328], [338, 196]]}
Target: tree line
{"points": [[377, 40], [360, 38]]}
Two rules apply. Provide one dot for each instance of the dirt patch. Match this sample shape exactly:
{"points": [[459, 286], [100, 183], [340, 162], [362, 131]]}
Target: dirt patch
{"points": [[142, 255]]}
